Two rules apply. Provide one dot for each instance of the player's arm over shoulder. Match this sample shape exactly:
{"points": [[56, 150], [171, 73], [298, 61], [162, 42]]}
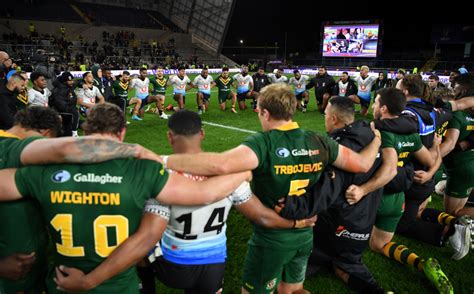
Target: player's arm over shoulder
{"points": [[8, 185]]}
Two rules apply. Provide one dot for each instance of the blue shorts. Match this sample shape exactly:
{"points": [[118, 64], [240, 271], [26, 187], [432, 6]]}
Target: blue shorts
{"points": [[205, 97]]}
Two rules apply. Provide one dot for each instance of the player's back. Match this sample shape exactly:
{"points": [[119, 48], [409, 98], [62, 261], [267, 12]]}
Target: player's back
{"points": [[290, 161], [91, 209], [196, 234]]}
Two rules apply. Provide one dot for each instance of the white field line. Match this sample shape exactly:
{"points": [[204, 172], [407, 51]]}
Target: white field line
{"points": [[229, 127]]}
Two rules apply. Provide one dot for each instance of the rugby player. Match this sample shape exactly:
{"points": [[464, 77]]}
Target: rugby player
{"points": [[204, 82], [120, 89], [82, 203], [277, 77], [192, 253], [244, 85], [224, 83], [181, 83], [141, 85], [299, 82], [88, 94], [282, 158], [159, 82], [364, 86]]}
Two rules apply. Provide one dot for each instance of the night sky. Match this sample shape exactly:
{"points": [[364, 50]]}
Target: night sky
{"points": [[405, 23]]}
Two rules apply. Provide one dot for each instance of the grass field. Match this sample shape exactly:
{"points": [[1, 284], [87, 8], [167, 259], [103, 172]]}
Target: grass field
{"points": [[392, 276]]}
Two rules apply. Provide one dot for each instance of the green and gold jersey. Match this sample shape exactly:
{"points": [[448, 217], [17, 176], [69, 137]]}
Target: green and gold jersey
{"points": [[224, 85], [159, 85], [464, 122], [22, 229], [120, 88], [290, 160], [91, 209], [22, 100], [405, 145]]}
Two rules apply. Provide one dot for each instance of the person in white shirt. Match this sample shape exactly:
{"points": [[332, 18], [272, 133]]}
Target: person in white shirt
{"points": [[180, 83], [204, 82], [142, 85], [39, 94], [88, 95]]}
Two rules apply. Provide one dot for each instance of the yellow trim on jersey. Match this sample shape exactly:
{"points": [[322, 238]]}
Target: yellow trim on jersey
{"points": [[470, 128], [161, 82], [225, 82], [288, 127], [123, 85], [5, 134], [23, 98]]}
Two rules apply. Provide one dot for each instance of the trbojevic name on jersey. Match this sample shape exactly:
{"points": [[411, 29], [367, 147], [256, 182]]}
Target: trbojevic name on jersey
{"points": [[196, 234]]}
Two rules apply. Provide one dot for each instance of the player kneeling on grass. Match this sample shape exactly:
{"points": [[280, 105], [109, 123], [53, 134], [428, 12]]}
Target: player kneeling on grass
{"points": [[277, 258], [299, 82], [224, 83], [141, 85], [244, 85], [204, 82], [120, 89], [181, 83], [194, 242], [160, 83], [399, 149], [70, 197]]}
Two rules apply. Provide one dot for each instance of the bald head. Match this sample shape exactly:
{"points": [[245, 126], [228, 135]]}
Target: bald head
{"points": [[3, 56]]}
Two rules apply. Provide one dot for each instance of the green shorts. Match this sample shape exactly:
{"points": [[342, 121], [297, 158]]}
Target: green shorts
{"points": [[390, 211], [265, 267], [460, 180], [224, 96]]}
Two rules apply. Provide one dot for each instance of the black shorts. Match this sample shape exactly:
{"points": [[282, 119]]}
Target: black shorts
{"points": [[144, 102], [243, 96], [300, 96], [364, 103], [205, 97], [205, 278], [176, 99]]}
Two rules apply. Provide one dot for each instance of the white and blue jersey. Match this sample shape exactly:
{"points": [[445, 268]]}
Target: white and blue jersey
{"points": [[364, 86], [179, 84], [243, 83], [203, 84], [196, 234], [274, 79], [141, 87], [300, 85]]}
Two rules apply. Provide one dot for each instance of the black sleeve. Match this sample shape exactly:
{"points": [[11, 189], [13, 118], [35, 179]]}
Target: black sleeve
{"points": [[6, 116], [59, 101], [404, 124], [310, 84], [443, 112], [335, 90]]}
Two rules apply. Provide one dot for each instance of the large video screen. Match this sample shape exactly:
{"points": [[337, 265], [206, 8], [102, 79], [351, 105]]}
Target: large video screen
{"points": [[359, 40]]}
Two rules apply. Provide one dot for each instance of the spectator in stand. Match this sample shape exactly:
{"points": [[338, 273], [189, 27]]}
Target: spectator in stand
{"points": [[8, 95], [434, 83], [64, 100]]}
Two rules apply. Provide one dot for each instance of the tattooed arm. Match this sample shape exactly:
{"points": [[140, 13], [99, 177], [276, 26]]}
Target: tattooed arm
{"points": [[81, 150]]}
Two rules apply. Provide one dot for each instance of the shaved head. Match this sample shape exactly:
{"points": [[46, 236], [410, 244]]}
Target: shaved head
{"points": [[3, 56]]}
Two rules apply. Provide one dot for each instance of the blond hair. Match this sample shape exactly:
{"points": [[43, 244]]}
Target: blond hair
{"points": [[279, 100], [364, 67]]}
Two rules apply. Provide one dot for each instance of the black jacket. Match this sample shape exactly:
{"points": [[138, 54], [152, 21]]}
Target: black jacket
{"points": [[351, 88], [260, 81], [329, 191], [7, 108], [107, 88], [323, 84], [63, 98]]}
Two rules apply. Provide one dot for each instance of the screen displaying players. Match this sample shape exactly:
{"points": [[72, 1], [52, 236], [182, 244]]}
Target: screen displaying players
{"points": [[350, 40]]}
